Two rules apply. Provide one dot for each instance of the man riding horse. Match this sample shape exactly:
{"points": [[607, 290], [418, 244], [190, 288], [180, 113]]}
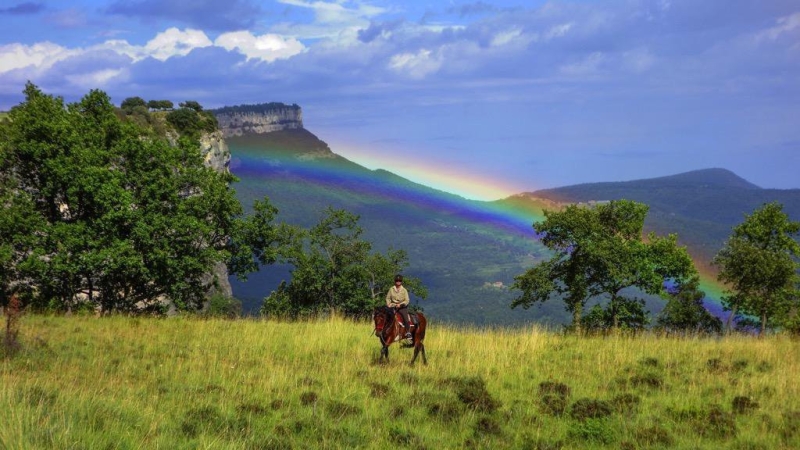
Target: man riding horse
{"points": [[397, 299]]}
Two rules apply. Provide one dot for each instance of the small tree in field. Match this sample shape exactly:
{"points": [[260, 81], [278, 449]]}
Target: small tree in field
{"points": [[685, 312], [336, 270], [759, 263], [600, 251]]}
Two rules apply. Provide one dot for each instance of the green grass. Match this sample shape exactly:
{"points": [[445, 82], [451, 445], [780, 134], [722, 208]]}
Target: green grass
{"points": [[123, 383]]}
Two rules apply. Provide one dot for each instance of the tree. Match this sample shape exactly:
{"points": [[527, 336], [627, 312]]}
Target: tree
{"points": [[191, 104], [159, 104], [685, 313], [599, 250], [132, 102], [759, 263], [107, 214], [335, 270]]}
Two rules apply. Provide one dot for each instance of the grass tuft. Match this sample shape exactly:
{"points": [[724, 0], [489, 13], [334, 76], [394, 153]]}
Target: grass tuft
{"points": [[588, 408]]}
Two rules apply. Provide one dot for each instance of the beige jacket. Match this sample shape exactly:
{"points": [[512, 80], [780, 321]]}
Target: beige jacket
{"points": [[397, 297]]}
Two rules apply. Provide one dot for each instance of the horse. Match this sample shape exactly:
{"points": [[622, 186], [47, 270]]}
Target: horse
{"points": [[388, 328]]}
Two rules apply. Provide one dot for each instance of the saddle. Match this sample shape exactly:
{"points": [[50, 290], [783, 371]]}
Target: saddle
{"points": [[412, 317]]}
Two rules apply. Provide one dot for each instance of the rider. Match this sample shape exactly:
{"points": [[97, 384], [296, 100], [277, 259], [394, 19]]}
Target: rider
{"points": [[397, 299]]}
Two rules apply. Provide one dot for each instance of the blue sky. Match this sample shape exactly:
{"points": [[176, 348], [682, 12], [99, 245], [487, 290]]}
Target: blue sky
{"points": [[508, 96]]}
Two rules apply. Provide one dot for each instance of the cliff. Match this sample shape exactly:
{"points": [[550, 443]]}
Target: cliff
{"points": [[258, 119], [215, 151]]}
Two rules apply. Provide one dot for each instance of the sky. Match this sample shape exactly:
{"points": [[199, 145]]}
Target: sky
{"points": [[481, 98]]}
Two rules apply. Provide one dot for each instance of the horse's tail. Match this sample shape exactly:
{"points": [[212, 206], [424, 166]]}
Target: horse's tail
{"points": [[423, 325]]}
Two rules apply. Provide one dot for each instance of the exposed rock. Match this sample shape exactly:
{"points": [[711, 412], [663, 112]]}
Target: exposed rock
{"points": [[215, 151], [258, 119]]}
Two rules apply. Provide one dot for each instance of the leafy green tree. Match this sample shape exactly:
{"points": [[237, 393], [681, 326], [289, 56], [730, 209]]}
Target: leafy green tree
{"points": [[133, 102], [685, 313], [335, 270], [381, 270], [600, 251], [629, 314], [159, 104], [759, 263], [191, 104], [108, 215]]}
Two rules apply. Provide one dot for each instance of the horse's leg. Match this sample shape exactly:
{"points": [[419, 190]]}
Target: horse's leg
{"points": [[385, 353], [424, 358]]}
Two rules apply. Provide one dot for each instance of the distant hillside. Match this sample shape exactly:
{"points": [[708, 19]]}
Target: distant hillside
{"points": [[466, 252], [701, 206]]}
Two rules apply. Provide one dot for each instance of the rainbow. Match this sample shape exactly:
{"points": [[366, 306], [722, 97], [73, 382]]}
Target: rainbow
{"points": [[251, 164]]}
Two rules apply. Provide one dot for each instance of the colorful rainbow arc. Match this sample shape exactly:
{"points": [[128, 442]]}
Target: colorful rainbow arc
{"points": [[250, 164]]}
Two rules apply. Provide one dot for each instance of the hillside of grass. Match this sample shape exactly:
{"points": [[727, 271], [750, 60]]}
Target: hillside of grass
{"points": [[454, 254], [117, 382]]}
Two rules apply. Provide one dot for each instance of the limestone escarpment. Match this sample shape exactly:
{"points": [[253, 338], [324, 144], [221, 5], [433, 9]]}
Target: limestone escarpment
{"points": [[258, 119], [215, 151]]}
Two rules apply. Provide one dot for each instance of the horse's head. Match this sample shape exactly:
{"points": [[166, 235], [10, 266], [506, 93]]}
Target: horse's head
{"points": [[380, 316]]}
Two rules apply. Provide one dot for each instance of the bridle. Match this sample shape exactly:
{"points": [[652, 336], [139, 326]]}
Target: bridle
{"points": [[387, 316]]}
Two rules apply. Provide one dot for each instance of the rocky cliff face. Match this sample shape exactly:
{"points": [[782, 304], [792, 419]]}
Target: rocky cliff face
{"points": [[258, 119], [217, 156], [215, 151]]}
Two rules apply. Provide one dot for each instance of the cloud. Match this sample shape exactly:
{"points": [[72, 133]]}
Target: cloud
{"points": [[166, 44], [416, 65], [785, 25], [23, 9], [471, 9], [267, 47], [220, 15], [68, 18], [42, 55], [378, 29]]}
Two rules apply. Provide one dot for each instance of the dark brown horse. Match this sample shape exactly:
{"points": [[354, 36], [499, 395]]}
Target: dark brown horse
{"points": [[389, 330]]}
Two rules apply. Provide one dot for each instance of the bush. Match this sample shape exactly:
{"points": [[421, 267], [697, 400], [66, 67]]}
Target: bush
{"points": [[223, 307]]}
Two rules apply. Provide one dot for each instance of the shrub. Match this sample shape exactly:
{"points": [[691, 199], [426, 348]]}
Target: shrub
{"points": [[587, 408], [471, 391], [592, 431], [743, 405]]}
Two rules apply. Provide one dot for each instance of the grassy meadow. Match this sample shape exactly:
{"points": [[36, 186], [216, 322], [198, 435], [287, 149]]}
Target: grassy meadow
{"points": [[131, 383]]}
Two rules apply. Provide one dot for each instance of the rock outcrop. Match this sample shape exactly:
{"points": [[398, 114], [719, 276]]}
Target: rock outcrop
{"points": [[215, 151], [258, 119]]}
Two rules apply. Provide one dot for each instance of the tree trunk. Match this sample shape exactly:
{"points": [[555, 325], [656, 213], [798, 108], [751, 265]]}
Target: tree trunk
{"points": [[763, 323], [613, 307], [730, 319], [576, 320]]}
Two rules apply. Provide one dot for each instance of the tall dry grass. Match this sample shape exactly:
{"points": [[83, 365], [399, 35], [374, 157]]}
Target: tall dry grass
{"points": [[121, 382]]}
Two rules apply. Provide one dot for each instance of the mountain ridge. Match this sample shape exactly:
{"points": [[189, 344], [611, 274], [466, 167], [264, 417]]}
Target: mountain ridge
{"points": [[468, 251]]}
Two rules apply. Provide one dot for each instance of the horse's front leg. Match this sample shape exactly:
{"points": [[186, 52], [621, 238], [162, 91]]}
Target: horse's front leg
{"points": [[385, 353]]}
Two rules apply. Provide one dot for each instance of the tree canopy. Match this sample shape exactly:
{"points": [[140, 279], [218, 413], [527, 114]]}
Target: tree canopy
{"points": [[101, 212], [598, 251], [759, 263], [336, 270]]}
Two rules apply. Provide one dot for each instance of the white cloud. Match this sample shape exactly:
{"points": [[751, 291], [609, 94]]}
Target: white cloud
{"points": [[336, 12], [93, 80], [416, 65], [558, 31], [336, 22], [506, 37], [638, 60], [587, 66], [174, 42], [40, 55], [165, 45], [785, 25], [267, 47]]}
